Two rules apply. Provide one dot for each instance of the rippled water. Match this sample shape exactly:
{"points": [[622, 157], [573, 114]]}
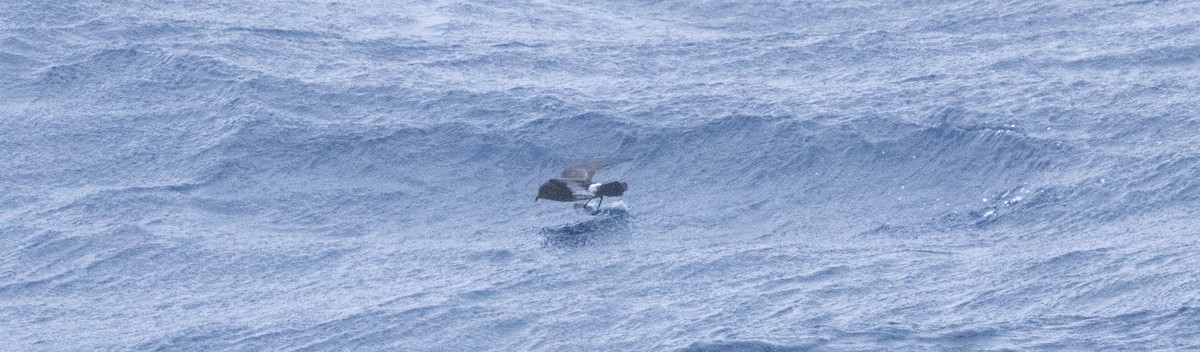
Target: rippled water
{"points": [[923, 175]]}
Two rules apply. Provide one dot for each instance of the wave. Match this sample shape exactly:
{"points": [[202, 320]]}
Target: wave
{"points": [[363, 176], [609, 224], [1053, 333], [938, 172], [743, 346]]}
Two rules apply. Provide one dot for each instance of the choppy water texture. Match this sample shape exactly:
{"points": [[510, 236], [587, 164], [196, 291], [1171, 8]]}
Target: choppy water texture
{"points": [[862, 175]]}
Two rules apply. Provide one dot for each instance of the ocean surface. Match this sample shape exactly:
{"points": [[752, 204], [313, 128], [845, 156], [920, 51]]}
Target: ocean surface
{"points": [[806, 176]]}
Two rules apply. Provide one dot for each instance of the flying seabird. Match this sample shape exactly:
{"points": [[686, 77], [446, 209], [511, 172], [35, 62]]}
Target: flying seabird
{"points": [[576, 184]]}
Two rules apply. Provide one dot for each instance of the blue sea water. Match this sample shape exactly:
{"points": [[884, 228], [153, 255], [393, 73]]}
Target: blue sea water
{"points": [[856, 175]]}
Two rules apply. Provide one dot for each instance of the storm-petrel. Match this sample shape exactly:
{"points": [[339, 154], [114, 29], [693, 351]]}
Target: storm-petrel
{"points": [[576, 184]]}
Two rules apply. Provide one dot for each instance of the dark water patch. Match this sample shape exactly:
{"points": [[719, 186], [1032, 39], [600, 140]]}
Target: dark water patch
{"points": [[520, 45], [969, 337], [921, 78], [610, 224], [494, 256], [286, 33]]}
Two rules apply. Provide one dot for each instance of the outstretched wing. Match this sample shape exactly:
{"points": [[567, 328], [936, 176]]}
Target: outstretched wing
{"points": [[579, 189], [584, 171]]}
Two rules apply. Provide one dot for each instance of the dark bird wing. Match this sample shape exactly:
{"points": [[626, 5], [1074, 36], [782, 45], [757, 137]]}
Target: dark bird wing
{"points": [[585, 170]]}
